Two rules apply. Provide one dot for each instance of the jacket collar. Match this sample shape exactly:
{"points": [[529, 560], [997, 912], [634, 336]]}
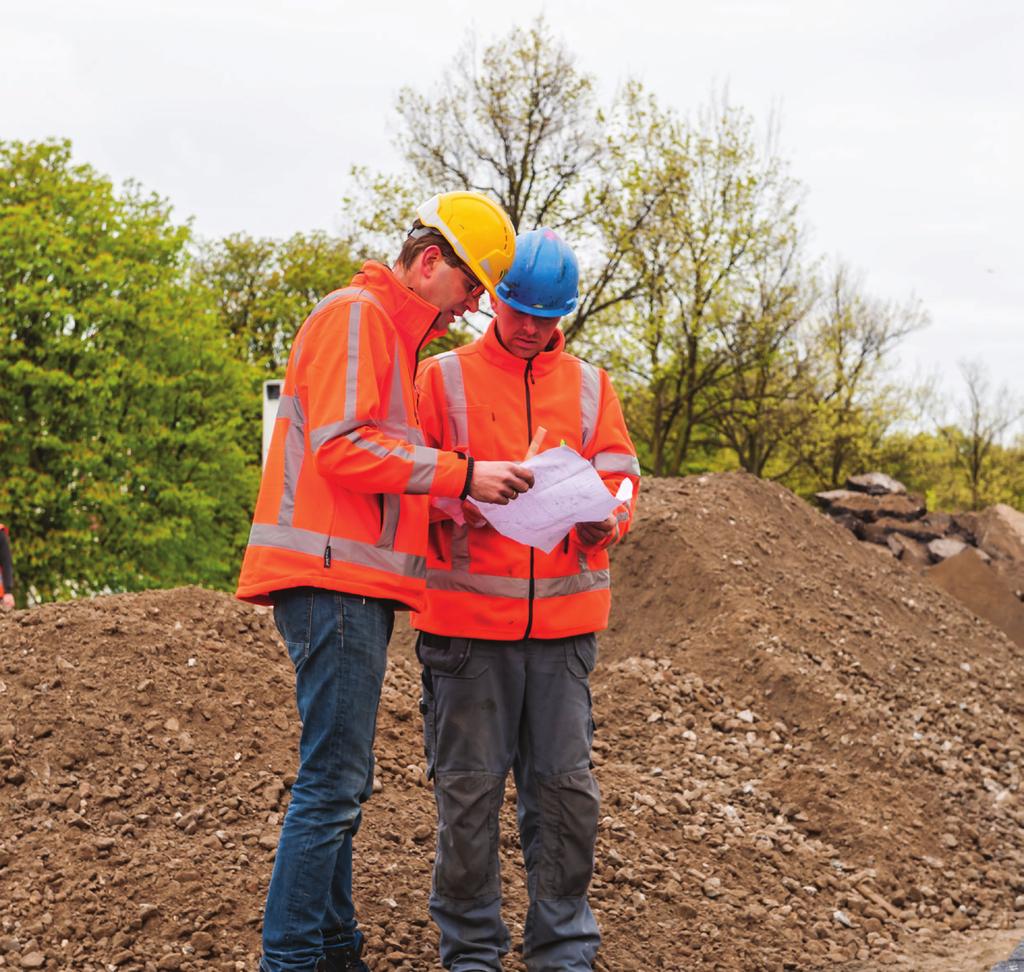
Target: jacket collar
{"points": [[542, 362], [412, 316]]}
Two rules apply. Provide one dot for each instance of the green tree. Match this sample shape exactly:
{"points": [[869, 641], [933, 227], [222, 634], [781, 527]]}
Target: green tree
{"points": [[264, 288], [852, 405], [519, 121], [119, 397], [713, 271], [984, 416], [694, 290]]}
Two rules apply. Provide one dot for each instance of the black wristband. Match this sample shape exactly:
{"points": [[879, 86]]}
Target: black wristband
{"points": [[469, 478]]}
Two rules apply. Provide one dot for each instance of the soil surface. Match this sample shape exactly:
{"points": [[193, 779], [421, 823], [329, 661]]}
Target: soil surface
{"points": [[982, 589], [809, 756]]}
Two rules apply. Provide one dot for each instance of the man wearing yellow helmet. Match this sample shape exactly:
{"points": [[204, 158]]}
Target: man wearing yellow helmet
{"points": [[339, 540]]}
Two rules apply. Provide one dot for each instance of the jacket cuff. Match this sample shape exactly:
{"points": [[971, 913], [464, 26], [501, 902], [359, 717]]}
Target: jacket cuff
{"points": [[450, 478], [470, 461]]}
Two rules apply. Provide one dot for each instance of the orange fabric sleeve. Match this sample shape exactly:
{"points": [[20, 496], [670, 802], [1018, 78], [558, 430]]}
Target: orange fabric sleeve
{"points": [[360, 428]]}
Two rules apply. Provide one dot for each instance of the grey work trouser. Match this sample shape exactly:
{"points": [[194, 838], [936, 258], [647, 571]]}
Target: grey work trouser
{"points": [[489, 706]]}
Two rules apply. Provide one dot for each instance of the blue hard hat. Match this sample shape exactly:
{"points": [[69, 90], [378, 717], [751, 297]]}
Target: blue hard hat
{"points": [[544, 279]]}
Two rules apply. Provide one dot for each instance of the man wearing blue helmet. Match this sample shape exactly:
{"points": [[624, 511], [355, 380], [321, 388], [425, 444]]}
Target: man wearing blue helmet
{"points": [[507, 636]]}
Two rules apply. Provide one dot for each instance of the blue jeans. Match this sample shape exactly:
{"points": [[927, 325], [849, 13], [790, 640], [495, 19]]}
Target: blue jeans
{"points": [[338, 645], [490, 707]]}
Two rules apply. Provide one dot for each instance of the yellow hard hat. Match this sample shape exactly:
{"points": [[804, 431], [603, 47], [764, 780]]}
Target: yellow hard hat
{"points": [[478, 229]]}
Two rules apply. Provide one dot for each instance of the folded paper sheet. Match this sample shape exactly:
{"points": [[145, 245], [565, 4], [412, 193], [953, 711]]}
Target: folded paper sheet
{"points": [[567, 490]]}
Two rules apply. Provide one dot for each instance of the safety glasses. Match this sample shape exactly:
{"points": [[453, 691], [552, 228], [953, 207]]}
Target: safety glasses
{"points": [[474, 288]]}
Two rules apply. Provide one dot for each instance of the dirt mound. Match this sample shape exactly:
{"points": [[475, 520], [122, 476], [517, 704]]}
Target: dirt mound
{"points": [[809, 760], [999, 531], [986, 592]]}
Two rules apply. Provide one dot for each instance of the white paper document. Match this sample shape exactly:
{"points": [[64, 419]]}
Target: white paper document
{"points": [[567, 490]]}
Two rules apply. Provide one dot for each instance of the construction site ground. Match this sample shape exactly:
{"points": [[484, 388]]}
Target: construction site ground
{"points": [[809, 756]]}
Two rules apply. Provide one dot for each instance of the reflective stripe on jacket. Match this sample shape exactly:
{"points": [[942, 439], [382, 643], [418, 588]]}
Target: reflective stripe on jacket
{"points": [[488, 402], [343, 500]]}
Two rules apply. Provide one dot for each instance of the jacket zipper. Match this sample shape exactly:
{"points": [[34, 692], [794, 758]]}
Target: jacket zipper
{"points": [[527, 381]]}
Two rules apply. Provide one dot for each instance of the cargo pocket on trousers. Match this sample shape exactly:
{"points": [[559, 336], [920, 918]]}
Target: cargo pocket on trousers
{"points": [[441, 654], [427, 710], [581, 654]]}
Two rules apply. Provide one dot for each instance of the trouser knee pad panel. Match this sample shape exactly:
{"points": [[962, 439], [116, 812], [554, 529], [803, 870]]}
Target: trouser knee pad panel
{"points": [[467, 839], [569, 805]]}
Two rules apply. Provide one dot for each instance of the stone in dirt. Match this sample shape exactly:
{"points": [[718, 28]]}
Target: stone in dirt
{"points": [[909, 551], [870, 508], [876, 483], [945, 548], [878, 531]]}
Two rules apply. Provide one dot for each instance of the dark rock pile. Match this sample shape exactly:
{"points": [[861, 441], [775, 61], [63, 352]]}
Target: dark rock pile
{"points": [[878, 509], [976, 557]]}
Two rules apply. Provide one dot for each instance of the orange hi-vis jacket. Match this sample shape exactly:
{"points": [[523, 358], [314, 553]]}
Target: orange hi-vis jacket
{"points": [[486, 401], [343, 504]]}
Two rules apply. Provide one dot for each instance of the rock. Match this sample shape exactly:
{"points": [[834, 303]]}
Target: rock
{"points": [[999, 531], [941, 523], [909, 551], [875, 483], [945, 548], [871, 508], [847, 521], [842, 918], [958, 921], [921, 530], [33, 960]]}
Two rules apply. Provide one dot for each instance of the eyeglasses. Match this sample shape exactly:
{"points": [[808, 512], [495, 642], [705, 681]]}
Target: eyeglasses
{"points": [[474, 288]]}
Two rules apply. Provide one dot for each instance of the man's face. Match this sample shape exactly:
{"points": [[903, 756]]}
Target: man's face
{"points": [[454, 291], [523, 334]]}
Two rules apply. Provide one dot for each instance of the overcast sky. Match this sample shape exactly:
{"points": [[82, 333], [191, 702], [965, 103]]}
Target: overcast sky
{"points": [[904, 119]]}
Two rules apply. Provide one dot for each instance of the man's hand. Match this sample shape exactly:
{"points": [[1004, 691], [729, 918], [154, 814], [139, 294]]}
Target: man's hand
{"points": [[473, 516], [593, 533], [7, 602], [499, 482]]}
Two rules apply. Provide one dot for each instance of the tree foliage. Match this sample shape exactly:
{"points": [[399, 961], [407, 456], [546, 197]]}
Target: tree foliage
{"points": [[851, 406], [264, 288], [712, 275], [984, 415], [118, 392]]}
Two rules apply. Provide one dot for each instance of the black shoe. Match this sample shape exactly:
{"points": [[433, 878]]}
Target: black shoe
{"points": [[344, 960]]}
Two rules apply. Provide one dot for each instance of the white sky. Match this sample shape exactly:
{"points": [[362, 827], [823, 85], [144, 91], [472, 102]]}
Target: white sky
{"points": [[904, 119]]}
